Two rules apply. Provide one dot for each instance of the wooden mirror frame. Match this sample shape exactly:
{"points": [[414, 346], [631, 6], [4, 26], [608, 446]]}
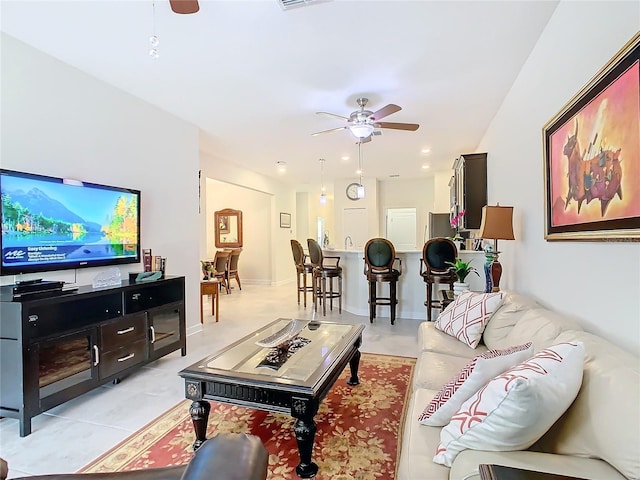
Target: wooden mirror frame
{"points": [[220, 216]]}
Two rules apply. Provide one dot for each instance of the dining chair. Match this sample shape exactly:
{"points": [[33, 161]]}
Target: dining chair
{"points": [[232, 267], [220, 265]]}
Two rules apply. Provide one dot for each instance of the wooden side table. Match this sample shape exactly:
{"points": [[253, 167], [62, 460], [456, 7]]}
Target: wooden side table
{"points": [[210, 287]]}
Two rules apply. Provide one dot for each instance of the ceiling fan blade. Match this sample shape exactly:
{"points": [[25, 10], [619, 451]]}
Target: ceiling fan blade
{"points": [[184, 6], [328, 131], [385, 111], [398, 126], [333, 115]]}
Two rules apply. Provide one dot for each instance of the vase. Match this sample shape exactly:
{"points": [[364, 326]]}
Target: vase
{"points": [[459, 287]]}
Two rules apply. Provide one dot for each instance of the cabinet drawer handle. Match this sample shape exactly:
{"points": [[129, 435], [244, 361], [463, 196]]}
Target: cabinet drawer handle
{"points": [[97, 356], [126, 330], [153, 334], [127, 357]]}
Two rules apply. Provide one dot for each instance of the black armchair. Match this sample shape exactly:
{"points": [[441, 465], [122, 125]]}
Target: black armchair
{"points": [[230, 456]]}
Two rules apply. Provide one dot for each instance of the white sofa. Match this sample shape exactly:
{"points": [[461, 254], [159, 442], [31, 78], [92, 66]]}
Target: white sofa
{"points": [[597, 438]]}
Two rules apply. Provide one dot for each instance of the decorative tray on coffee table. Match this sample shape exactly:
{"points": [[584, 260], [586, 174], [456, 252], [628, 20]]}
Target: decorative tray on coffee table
{"points": [[289, 331]]}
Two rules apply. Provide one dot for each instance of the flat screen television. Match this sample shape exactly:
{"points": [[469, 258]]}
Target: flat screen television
{"points": [[56, 224]]}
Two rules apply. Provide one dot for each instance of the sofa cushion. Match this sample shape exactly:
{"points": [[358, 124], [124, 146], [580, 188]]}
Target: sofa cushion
{"points": [[505, 317], [467, 316], [418, 444], [469, 380], [433, 340], [434, 369], [517, 407], [541, 327], [604, 420]]}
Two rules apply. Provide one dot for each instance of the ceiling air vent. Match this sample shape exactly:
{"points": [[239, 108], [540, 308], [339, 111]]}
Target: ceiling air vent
{"points": [[289, 4]]}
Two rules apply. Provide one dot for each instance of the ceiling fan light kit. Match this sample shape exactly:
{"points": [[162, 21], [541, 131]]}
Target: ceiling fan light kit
{"points": [[362, 130]]}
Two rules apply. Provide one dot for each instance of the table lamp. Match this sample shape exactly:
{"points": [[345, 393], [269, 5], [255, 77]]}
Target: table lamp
{"points": [[496, 224]]}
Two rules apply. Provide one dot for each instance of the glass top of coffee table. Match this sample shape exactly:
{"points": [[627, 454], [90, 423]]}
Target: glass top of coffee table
{"points": [[313, 350]]}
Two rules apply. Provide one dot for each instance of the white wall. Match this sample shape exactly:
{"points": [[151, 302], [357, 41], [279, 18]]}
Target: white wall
{"points": [[282, 199], [61, 122], [599, 282]]}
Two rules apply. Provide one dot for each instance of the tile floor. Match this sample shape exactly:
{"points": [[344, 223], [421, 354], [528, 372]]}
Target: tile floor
{"points": [[69, 436]]}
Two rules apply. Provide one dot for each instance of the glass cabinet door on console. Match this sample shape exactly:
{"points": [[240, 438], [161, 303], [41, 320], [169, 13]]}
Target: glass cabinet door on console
{"points": [[165, 326], [63, 364]]}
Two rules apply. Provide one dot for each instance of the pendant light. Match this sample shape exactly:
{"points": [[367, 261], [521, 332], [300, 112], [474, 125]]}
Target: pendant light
{"points": [[153, 39], [323, 196]]}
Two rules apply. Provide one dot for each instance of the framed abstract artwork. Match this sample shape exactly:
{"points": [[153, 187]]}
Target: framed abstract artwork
{"points": [[591, 154]]}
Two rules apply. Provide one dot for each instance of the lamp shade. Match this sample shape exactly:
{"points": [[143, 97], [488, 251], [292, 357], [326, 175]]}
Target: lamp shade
{"points": [[497, 223]]}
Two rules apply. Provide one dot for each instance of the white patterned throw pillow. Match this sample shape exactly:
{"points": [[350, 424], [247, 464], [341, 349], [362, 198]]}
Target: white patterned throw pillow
{"points": [[514, 409], [467, 316], [470, 379]]}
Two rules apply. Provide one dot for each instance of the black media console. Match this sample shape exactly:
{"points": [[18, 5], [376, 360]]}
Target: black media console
{"points": [[55, 346]]}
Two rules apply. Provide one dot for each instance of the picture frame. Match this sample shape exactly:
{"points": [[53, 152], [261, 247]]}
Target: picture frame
{"points": [[285, 220], [591, 151]]}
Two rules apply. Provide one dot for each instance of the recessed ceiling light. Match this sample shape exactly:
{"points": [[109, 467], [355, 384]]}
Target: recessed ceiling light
{"points": [[358, 172], [425, 166], [426, 150], [345, 158]]}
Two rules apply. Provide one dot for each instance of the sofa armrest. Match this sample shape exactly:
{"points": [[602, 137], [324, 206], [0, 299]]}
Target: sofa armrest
{"points": [[232, 456]]}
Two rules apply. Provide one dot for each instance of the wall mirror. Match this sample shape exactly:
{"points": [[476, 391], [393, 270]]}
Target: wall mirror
{"points": [[228, 228]]}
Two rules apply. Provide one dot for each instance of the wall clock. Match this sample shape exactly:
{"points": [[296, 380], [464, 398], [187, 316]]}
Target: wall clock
{"points": [[352, 191]]}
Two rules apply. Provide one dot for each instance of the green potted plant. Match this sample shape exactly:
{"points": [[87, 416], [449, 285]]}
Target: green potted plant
{"points": [[462, 269]]}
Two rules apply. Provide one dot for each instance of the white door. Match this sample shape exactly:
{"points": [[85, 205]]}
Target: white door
{"points": [[355, 224], [401, 228]]}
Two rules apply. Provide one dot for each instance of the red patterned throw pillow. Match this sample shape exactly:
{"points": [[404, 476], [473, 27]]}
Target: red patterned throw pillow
{"points": [[467, 316], [514, 409], [470, 379]]}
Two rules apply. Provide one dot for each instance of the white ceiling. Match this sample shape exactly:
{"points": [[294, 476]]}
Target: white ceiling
{"points": [[251, 75]]}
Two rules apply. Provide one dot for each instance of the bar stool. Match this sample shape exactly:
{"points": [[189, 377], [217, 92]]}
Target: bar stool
{"points": [[321, 273], [434, 268], [210, 287], [303, 268], [379, 259]]}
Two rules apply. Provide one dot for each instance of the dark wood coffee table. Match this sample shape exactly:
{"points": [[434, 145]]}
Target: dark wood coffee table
{"points": [[295, 385]]}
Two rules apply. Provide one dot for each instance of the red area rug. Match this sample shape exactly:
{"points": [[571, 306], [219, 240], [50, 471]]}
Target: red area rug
{"points": [[358, 429]]}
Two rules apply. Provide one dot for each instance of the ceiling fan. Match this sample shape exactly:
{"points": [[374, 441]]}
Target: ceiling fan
{"points": [[363, 123], [184, 6]]}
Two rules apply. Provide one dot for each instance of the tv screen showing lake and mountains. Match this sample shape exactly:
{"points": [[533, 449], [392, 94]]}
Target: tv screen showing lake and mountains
{"points": [[47, 221]]}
